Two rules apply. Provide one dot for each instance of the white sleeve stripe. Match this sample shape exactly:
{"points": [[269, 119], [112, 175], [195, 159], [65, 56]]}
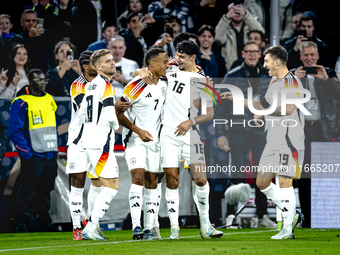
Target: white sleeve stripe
{"points": [[136, 88]]}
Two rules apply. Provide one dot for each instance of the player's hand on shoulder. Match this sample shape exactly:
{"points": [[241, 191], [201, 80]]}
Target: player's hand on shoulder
{"points": [[146, 76]]}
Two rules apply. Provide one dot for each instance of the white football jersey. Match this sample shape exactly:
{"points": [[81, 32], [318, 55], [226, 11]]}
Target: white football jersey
{"points": [[77, 92], [100, 114], [183, 89], [146, 107], [286, 129]]}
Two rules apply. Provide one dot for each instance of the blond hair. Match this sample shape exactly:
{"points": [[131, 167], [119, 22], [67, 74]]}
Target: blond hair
{"points": [[98, 54]]}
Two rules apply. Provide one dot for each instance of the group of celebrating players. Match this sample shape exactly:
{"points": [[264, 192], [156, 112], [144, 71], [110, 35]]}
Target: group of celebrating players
{"points": [[160, 130]]}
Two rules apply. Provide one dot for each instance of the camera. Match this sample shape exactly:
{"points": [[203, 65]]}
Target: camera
{"points": [[303, 32], [40, 22], [119, 69], [70, 55], [170, 31], [310, 70], [140, 15]]}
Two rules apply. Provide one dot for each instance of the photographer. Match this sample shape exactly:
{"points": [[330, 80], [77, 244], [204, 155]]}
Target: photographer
{"points": [[172, 26], [136, 43], [306, 33], [323, 124], [67, 70], [231, 31]]}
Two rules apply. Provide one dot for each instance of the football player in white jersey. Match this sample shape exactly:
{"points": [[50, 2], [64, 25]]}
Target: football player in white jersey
{"points": [[97, 132], [173, 67], [76, 164], [284, 151], [180, 138], [142, 123]]}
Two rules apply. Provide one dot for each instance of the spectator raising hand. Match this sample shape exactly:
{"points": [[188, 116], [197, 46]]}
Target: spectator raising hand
{"points": [[68, 69], [3, 77]]}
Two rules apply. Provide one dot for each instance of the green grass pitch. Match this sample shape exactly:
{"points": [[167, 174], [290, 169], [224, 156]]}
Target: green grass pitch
{"points": [[241, 241]]}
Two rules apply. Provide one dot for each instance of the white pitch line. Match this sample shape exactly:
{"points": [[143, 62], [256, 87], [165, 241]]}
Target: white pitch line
{"points": [[119, 242]]}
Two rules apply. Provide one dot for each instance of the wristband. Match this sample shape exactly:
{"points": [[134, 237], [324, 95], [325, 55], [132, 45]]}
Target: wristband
{"points": [[193, 122]]}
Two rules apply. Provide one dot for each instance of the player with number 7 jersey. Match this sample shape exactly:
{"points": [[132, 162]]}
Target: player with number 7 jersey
{"points": [[142, 124]]}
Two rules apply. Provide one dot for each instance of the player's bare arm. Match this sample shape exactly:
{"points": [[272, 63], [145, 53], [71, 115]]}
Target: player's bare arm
{"points": [[121, 106], [184, 127], [144, 135], [144, 74]]}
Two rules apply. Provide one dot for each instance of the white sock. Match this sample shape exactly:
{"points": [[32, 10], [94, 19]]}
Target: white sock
{"points": [[159, 197], [91, 199], [273, 193], [202, 194], [102, 204], [288, 202], [136, 202], [150, 205], [172, 202], [194, 196], [76, 205]]}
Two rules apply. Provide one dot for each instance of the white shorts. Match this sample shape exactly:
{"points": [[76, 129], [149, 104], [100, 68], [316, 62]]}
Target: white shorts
{"points": [[284, 162], [174, 148], [76, 159], [143, 155], [102, 164]]}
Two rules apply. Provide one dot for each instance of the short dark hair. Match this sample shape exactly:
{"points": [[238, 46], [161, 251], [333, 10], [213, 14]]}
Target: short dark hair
{"points": [[28, 11], [171, 19], [206, 28], [107, 24], [33, 71], [184, 37], [130, 16], [306, 16], [85, 58], [277, 52], [188, 47], [152, 53], [257, 31]]}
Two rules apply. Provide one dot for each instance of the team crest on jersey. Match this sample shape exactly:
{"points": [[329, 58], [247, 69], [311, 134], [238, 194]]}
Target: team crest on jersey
{"points": [[92, 87], [72, 165], [163, 91], [133, 161]]}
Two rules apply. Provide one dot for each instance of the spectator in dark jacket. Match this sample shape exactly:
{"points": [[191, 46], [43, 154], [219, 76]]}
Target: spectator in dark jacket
{"points": [[213, 64], [61, 77], [34, 39], [307, 23], [136, 43]]}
